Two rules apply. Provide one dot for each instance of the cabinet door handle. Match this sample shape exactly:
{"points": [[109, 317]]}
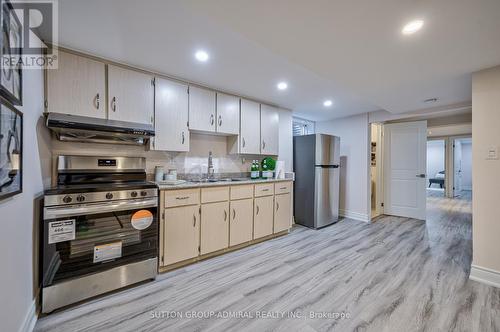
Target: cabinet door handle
{"points": [[283, 188], [113, 104], [220, 120], [257, 212], [267, 189], [182, 198], [225, 215], [243, 143], [211, 119], [234, 214], [152, 119], [277, 206], [194, 220], [263, 145], [97, 101], [183, 138]]}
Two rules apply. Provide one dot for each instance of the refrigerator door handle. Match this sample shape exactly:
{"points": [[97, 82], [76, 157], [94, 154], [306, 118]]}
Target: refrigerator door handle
{"points": [[327, 166]]}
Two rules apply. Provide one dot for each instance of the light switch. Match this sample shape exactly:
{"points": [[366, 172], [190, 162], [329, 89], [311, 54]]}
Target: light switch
{"points": [[492, 153]]}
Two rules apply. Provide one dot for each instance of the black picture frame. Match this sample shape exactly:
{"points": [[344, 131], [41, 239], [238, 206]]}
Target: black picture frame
{"points": [[11, 30], [11, 150]]}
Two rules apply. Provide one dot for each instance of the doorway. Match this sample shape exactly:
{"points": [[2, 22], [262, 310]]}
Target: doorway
{"points": [[462, 167], [436, 167]]}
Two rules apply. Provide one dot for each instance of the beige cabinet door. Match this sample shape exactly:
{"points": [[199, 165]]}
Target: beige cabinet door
{"points": [[263, 216], [202, 115], [228, 114], [131, 95], [250, 127], [181, 233], [241, 221], [282, 212], [214, 227], [269, 130], [77, 87], [171, 116]]}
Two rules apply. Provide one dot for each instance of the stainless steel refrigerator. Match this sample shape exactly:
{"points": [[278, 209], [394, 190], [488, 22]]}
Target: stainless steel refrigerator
{"points": [[316, 162]]}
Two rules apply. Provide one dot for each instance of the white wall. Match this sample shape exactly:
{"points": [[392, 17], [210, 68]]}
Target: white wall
{"points": [[486, 175], [286, 139], [354, 148], [18, 236], [435, 158], [466, 166]]}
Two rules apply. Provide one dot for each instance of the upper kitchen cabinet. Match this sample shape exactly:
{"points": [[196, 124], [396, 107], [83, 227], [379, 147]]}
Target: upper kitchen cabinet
{"points": [[77, 87], [228, 114], [171, 116], [131, 95], [269, 130], [202, 114], [250, 127]]}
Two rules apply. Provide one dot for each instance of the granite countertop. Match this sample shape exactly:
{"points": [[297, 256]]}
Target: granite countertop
{"points": [[188, 184]]}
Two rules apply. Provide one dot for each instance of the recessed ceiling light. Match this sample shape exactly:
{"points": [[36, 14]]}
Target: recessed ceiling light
{"points": [[282, 86], [327, 103], [412, 27], [201, 56]]}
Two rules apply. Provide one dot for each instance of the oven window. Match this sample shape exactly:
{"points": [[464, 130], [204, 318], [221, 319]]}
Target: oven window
{"points": [[101, 241]]}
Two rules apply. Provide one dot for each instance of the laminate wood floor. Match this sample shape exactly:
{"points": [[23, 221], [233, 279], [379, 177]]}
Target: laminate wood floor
{"points": [[396, 274]]}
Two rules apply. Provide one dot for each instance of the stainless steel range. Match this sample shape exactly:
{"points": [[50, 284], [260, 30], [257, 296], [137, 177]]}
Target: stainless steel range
{"points": [[100, 229]]}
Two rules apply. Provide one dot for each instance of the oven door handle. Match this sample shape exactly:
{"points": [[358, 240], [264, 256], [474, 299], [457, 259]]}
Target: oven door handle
{"points": [[78, 210]]}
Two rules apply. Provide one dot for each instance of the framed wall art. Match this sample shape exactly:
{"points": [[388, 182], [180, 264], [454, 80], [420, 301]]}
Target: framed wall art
{"points": [[10, 66], [11, 147]]}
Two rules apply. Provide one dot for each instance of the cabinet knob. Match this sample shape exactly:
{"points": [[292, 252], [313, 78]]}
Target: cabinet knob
{"points": [[113, 104], [97, 101]]}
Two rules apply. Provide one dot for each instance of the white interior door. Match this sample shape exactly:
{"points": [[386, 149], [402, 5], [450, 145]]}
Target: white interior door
{"points": [[405, 163], [457, 166]]}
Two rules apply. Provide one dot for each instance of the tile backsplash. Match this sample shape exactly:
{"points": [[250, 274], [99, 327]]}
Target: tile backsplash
{"points": [[191, 163]]}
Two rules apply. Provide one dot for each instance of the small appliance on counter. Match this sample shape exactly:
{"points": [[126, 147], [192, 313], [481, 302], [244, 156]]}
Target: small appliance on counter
{"points": [[316, 160], [100, 229]]}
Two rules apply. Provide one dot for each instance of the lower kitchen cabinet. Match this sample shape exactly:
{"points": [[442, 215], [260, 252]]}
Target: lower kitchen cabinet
{"points": [[214, 227], [241, 225], [282, 212], [181, 233], [263, 216]]}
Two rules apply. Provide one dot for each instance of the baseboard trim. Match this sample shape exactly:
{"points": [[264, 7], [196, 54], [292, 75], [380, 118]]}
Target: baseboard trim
{"points": [[354, 215], [485, 276], [30, 319]]}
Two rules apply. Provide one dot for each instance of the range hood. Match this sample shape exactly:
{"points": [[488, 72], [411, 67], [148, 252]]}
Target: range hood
{"points": [[85, 129]]}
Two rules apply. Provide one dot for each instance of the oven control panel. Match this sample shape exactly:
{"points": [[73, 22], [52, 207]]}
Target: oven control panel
{"points": [[99, 196]]}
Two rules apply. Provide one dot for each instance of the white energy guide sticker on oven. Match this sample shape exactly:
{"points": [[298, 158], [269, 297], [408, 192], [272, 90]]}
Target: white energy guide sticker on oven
{"points": [[61, 230], [108, 251]]}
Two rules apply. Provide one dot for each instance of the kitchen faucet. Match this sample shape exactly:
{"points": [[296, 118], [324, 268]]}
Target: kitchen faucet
{"points": [[210, 172]]}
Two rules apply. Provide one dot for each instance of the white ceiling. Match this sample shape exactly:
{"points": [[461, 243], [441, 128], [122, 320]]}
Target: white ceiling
{"points": [[349, 51]]}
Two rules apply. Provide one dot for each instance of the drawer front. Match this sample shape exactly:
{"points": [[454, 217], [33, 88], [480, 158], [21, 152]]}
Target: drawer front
{"points": [[215, 194], [282, 187], [242, 192], [182, 197], [265, 189]]}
